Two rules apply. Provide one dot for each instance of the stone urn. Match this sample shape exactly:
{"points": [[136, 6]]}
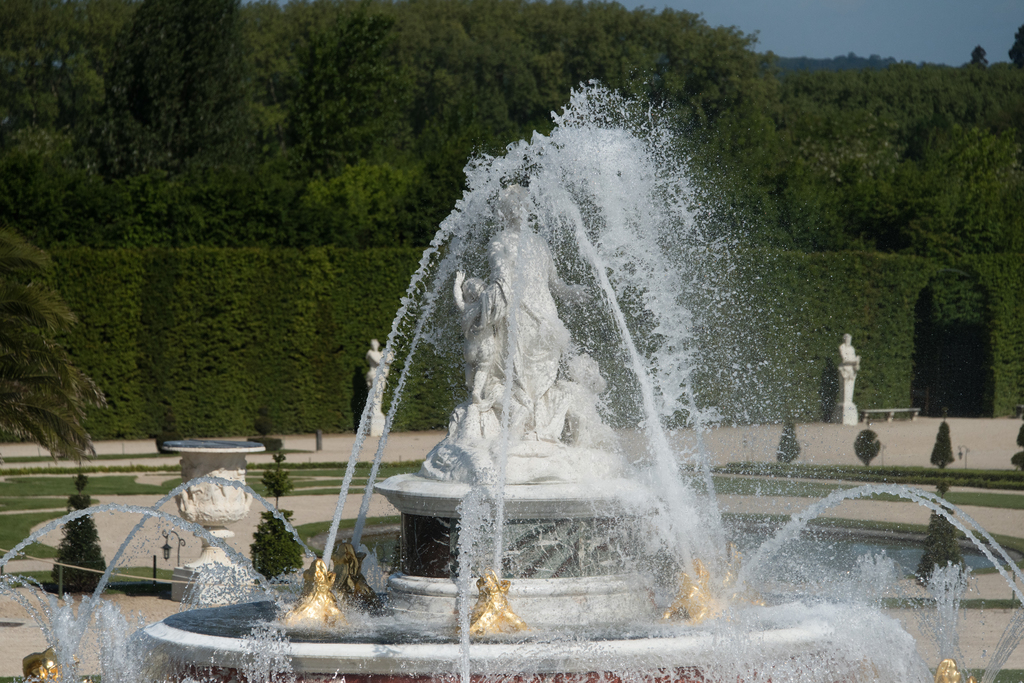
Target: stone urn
{"points": [[210, 504]]}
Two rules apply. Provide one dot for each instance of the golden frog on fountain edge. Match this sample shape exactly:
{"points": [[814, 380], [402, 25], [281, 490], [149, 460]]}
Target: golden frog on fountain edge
{"points": [[701, 598]]}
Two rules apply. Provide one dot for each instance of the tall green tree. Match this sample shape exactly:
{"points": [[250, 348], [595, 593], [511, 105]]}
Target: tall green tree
{"points": [[53, 58], [43, 396], [345, 98], [80, 546], [176, 96], [978, 56], [1017, 49]]}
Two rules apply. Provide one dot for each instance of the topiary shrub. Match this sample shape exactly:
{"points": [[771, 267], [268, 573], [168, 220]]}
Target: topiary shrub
{"points": [[867, 446], [1018, 458], [80, 546], [789, 449], [169, 430], [274, 550], [263, 426], [942, 452], [270, 443], [940, 543], [262, 423]]}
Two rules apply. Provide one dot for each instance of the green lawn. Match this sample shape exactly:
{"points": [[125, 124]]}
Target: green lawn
{"points": [[764, 486], [772, 486], [15, 528], [308, 531], [113, 484], [9, 504], [989, 500]]}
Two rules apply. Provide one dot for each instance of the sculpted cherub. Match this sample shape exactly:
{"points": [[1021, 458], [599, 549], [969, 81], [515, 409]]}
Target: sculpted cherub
{"points": [[480, 347]]}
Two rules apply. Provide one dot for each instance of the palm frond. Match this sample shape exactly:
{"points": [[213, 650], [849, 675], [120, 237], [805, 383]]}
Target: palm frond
{"points": [[43, 396]]}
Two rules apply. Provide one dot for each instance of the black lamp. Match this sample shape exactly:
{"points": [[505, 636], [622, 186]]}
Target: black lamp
{"points": [[167, 546]]}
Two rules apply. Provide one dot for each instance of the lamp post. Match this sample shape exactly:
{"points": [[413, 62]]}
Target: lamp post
{"points": [[962, 452], [167, 546]]}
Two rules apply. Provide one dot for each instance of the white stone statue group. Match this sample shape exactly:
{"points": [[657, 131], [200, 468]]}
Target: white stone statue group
{"points": [[510, 324]]}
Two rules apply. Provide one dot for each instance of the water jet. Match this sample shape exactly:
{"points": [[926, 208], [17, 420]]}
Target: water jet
{"points": [[558, 532]]}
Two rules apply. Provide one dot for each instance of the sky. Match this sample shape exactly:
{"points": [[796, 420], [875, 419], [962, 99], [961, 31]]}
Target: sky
{"points": [[935, 31]]}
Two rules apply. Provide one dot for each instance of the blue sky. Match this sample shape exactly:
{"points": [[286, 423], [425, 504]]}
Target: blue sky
{"points": [[937, 31]]}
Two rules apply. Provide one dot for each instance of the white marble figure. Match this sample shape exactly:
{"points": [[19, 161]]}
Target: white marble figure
{"points": [[480, 346], [849, 366], [546, 414], [374, 357]]}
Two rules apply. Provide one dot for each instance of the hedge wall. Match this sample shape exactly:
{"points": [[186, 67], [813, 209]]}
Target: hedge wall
{"points": [[216, 333], [1002, 275], [800, 307]]}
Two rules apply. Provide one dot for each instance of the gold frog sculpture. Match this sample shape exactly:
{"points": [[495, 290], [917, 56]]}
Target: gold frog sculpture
{"points": [[349, 582], [701, 598], [492, 613], [41, 666], [317, 602]]}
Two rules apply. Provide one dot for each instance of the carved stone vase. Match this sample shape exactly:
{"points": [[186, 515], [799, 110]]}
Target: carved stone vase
{"points": [[213, 505]]}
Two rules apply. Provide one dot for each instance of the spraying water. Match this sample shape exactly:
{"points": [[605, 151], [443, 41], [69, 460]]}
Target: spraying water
{"points": [[583, 285]]}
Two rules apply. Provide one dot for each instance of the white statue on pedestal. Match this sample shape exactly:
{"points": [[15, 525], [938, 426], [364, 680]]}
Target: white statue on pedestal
{"points": [[548, 416], [374, 357], [849, 366]]}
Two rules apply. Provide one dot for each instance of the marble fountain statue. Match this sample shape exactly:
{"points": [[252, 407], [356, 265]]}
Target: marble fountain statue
{"points": [[558, 532]]}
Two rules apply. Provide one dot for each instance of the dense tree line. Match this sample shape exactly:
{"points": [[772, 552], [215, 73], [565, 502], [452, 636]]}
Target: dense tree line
{"points": [[186, 122]]}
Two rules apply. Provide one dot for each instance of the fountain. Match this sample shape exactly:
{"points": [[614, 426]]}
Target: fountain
{"points": [[558, 531]]}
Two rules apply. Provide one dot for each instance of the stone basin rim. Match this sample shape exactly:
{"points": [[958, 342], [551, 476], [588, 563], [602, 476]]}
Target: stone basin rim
{"points": [[412, 659], [212, 446]]}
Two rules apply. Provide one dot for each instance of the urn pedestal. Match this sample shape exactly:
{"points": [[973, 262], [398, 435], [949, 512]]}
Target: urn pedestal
{"points": [[211, 504]]}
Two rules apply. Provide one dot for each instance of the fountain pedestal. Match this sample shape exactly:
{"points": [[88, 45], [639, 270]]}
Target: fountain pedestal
{"points": [[556, 549], [213, 505]]}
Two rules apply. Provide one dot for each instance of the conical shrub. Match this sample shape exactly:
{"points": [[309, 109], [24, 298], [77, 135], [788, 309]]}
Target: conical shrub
{"points": [[80, 546]]}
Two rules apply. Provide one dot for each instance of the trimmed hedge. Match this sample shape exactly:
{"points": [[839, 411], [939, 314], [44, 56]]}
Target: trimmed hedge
{"points": [[1002, 275], [928, 476], [216, 333], [801, 305]]}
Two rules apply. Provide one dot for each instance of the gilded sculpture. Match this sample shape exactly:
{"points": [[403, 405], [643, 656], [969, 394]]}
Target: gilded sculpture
{"points": [[700, 597], [349, 583], [317, 602], [492, 613], [949, 672], [41, 666]]}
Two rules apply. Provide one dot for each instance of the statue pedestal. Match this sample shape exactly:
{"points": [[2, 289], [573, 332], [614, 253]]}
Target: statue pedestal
{"points": [[377, 420], [847, 414]]}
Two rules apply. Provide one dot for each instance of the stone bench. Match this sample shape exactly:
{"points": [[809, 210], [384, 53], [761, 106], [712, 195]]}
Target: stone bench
{"points": [[889, 413]]}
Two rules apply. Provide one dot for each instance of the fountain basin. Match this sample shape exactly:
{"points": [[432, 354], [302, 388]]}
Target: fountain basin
{"points": [[765, 639]]}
